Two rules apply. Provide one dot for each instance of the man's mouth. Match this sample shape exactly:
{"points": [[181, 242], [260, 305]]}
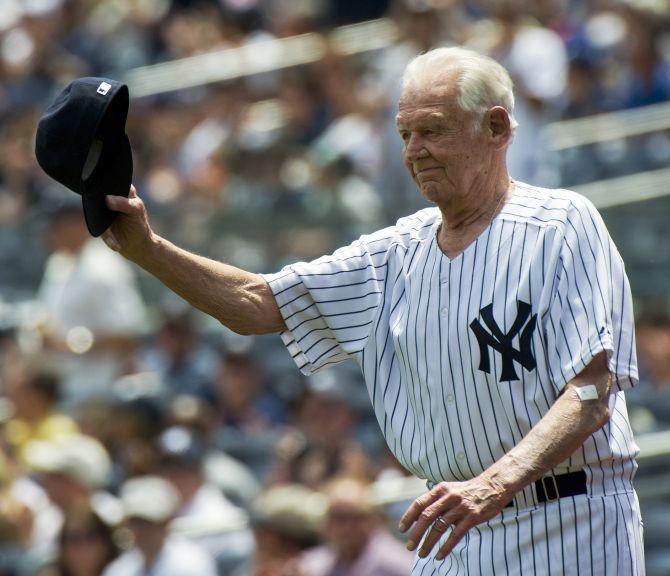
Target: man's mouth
{"points": [[426, 169]]}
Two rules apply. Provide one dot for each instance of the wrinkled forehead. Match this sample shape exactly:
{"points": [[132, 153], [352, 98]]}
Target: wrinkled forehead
{"points": [[429, 111], [429, 99]]}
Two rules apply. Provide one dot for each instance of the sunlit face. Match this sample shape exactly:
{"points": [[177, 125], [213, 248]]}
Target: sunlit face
{"points": [[442, 151], [348, 527], [85, 552]]}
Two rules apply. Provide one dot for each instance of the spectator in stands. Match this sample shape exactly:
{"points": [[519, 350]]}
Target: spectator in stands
{"points": [[86, 544], [35, 397], [218, 525], [16, 526], [149, 504], [179, 357], [73, 471], [92, 306], [133, 428], [70, 468], [324, 442], [356, 544], [646, 79], [650, 401], [653, 341], [286, 521], [248, 414]]}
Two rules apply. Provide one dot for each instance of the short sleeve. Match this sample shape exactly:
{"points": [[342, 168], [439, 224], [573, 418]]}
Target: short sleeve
{"points": [[329, 305], [591, 305]]}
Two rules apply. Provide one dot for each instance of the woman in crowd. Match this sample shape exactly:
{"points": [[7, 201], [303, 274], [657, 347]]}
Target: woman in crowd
{"points": [[86, 545]]}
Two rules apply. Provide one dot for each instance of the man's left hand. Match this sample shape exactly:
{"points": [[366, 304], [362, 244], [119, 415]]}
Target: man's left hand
{"points": [[460, 505]]}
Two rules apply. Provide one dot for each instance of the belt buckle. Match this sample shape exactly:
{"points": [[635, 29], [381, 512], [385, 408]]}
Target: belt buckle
{"points": [[554, 487]]}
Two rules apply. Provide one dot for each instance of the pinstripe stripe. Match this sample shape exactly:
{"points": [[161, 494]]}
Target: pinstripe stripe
{"points": [[518, 546], [479, 549], [605, 531], [532, 544], [619, 539], [591, 530], [380, 301], [547, 539], [493, 549], [505, 547], [575, 523], [559, 503]]}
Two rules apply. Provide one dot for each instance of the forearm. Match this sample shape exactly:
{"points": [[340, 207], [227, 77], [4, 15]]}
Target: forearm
{"points": [[557, 436], [240, 300], [562, 430]]}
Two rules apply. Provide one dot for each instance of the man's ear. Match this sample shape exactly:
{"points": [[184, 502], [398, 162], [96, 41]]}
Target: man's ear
{"points": [[499, 127]]}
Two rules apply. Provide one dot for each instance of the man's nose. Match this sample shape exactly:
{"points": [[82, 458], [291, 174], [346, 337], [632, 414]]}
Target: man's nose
{"points": [[415, 148]]}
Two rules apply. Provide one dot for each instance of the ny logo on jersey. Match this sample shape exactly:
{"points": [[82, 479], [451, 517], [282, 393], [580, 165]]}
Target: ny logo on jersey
{"points": [[524, 324]]}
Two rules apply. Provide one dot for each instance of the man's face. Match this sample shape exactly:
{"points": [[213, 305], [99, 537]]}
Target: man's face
{"points": [[149, 536], [348, 528], [62, 489], [442, 151]]}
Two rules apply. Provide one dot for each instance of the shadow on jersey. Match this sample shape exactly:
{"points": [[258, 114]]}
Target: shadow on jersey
{"points": [[524, 324]]}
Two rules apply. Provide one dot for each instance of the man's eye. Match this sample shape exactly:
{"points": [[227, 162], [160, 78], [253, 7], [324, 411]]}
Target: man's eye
{"points": [[404, 135]]}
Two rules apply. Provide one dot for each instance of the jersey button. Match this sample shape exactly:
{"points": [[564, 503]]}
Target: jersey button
{"points": [[444, 311], [460, 455], [450, 398]]}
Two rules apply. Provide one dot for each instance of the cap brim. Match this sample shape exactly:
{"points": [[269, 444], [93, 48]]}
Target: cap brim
{"points": [[115, 181], [43, 456]]}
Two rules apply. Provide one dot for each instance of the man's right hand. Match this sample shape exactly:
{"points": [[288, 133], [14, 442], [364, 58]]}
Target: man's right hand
{"points": [[130, 234]]}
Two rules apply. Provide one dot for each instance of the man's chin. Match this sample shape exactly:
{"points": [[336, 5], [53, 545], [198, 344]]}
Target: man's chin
{"points": [[430, 192]]}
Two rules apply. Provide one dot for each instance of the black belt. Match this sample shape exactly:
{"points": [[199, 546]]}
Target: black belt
{"points": [[550, 488]]}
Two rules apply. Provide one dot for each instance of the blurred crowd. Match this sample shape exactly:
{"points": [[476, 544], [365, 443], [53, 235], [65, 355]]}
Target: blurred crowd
{"points": [[269, 168], [139, 437]]}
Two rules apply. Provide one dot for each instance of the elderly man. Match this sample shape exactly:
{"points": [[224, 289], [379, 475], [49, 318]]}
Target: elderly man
{"points": [[356, 543], [495, 333]]}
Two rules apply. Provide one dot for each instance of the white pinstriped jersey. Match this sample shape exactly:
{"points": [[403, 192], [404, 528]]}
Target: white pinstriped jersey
{"points": [[463, 356]]}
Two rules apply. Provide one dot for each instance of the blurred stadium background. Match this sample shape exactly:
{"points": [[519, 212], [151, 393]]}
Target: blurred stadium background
{"points": [[263, 133]]}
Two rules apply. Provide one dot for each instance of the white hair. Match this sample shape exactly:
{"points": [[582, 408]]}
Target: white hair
{"points": [[482, 82]]}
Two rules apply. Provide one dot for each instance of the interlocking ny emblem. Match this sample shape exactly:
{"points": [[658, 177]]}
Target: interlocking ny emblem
{"points": [[502, 343]]}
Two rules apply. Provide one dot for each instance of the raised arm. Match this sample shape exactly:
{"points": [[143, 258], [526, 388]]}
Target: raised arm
{"points": [[574, 416], [240, 300]]}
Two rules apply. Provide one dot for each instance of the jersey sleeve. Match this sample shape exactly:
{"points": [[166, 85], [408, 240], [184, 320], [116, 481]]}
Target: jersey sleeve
{"points": [[329, 304], [591, 306]]}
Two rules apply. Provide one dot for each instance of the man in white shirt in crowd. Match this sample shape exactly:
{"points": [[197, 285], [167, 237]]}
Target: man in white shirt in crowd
{"points": [[149, 503]]}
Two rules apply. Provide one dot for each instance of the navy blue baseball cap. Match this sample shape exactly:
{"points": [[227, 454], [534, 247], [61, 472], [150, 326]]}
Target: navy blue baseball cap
{"points": [[81, 142]]}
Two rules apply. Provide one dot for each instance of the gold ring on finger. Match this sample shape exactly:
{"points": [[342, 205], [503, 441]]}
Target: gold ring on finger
{"points": [[440, 525]]}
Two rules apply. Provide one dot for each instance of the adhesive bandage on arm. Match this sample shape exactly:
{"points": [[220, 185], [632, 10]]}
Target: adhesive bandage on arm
{"points": [[589, 392]]}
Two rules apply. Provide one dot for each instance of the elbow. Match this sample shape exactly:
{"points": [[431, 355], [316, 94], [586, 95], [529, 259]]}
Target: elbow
{"points": [[250, 325], [254, 330], [242, 331], [242, 328], [253, 311]]}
